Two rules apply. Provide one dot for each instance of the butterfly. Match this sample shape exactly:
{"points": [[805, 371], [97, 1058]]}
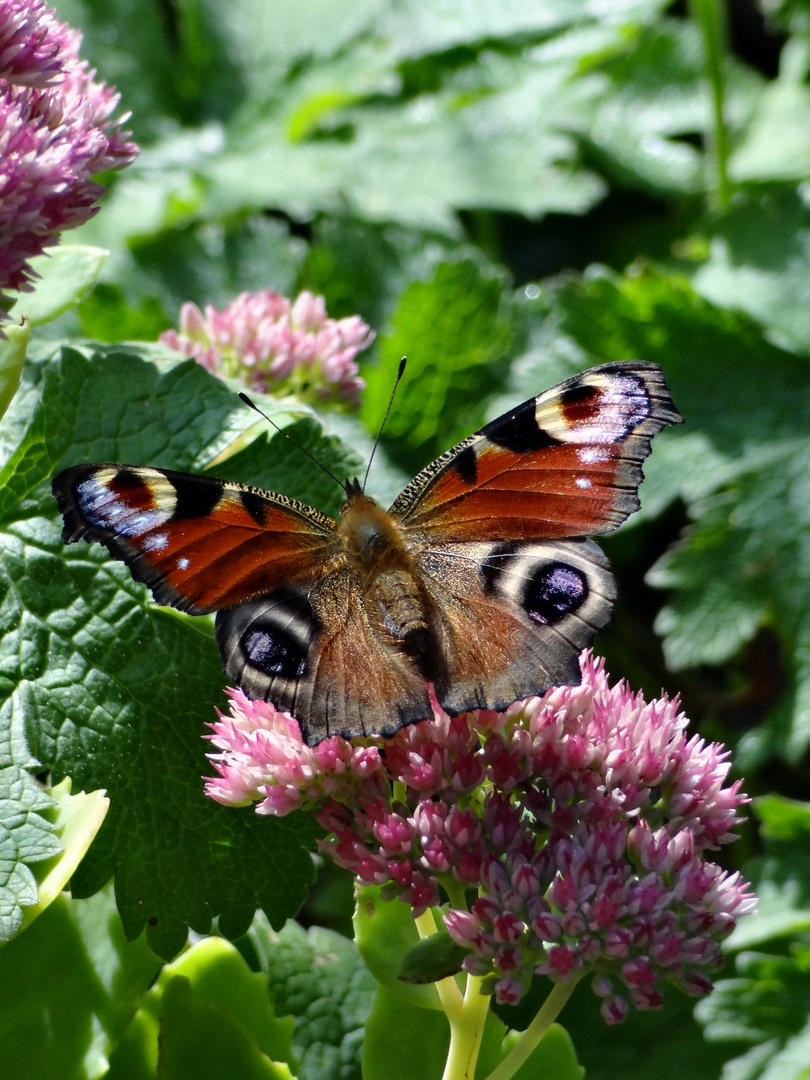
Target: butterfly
{"points": [[479, 579]]}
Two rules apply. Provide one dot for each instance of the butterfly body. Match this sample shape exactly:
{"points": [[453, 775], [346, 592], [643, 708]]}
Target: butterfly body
{"points": [[479, 579]]}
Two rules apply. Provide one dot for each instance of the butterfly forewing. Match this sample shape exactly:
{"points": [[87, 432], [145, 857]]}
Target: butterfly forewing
{"points": [[199, 543], [566, 463]]}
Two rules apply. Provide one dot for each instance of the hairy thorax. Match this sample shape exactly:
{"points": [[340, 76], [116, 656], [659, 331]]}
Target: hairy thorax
{"points": [[376, 548]]}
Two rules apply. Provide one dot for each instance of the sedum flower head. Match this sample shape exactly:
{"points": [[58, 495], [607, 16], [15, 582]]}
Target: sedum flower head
{"points": [[55, 134], [577, 824], [271, 343]]}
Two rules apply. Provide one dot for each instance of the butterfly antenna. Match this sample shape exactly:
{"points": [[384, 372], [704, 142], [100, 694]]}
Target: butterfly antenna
{"points": [[400, 373], [303, 449]]}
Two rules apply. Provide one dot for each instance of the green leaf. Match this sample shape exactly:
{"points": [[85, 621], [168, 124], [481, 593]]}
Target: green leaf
{"points": [[739, 464], [434, 957], [114, 691], [385, 933], [318, 977], [200, 1041], [553, 1056], [78, 819], [63, 276], [13, 344], [207, 1015], [781, 877], [759, 262], [777, 143], [70, 986], [455, 335], [767, 1004], [26, 835]]}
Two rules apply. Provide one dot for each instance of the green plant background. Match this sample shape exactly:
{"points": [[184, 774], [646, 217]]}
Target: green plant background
{"points": [[507, 192]]}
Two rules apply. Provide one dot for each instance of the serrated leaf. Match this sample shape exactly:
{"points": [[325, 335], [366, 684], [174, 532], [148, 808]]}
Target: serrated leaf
{"points": [[102, 676], [455, 335], [318, 977], [78, 819], [26, 835], [739, 463], [769, 1000], [781, 877], [759, 262], [776, 145]]}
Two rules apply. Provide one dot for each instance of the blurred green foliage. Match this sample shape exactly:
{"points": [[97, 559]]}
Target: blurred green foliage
{"points": [[507, 192]]}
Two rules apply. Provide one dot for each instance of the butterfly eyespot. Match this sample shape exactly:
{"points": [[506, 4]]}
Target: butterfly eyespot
{"points": [[273, 652], [554, 591]]}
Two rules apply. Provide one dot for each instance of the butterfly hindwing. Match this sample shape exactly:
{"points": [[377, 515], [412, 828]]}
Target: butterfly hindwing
{"points": [[313, 651], [511, 617], [566, 463]]}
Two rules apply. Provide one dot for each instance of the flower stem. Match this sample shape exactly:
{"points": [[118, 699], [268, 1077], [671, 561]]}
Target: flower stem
{"points": [[710, 17], [466, 1015], [448, 991], [466, 1032], [560, 993]]}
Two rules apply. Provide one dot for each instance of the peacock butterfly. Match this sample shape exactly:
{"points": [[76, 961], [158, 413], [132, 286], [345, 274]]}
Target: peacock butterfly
{"points": [[478, 579]]}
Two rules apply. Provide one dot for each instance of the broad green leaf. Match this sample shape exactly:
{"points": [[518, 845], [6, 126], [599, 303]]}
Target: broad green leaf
{"points": [[455, 334], [78, 818], [385, 933], [318, 977], [553, 1056], [766, 1005], [777, 143], [207, 1015], [27, 836], [780, 877], [70, 985], [759, 262], [115, 692], [201, 1041], [739, 463]]}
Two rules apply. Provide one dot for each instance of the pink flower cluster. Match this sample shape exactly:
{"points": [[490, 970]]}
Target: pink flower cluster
{"points": [[271, 343], [580, 818], [55, 133]]}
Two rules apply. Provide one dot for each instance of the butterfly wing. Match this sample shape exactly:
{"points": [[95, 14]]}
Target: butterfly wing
{"points": [[291, 624], [199, 543], [494, 522], [313, 651], [510, 619], [566, 463]]}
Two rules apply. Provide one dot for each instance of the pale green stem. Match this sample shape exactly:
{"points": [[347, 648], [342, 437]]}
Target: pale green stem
{"points": [[710, 17], [466, 1033], [449, 993], [530, 1038], [456, 893], [466, 1015]]}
